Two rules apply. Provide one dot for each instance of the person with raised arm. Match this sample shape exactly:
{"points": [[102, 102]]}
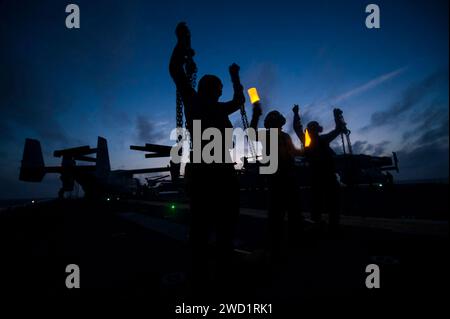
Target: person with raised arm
{"points": [[282, 185], [213, 188], [320, 156]]}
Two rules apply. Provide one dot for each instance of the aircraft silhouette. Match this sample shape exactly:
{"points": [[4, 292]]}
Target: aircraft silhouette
{"points": [[97, 181]]}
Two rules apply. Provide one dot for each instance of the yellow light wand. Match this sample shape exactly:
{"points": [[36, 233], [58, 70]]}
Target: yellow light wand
{"points": [[253, 94], [307, 138]]}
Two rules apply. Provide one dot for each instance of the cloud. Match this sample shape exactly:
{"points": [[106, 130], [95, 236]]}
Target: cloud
{"points": [[377, 149], [424, 145], [150, 132], [428, 161], [434, 118], [359, 147], [425, 153], [429, 132], [367, 86], [423, 161], [435, 134], [320, 106], [410, 98]]}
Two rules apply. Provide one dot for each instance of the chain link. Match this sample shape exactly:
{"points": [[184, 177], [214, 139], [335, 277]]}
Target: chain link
{"points": [[246, 126], [191, 73]]}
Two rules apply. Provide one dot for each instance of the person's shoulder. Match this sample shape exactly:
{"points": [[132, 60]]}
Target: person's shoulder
{"points": [[323, 138], [285, 135]]}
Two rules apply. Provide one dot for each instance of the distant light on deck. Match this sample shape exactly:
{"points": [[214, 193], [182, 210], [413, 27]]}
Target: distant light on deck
{"points": [[307, 138], [253, 94]]}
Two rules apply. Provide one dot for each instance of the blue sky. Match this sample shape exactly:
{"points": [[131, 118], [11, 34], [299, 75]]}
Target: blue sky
{"points": [[110, 77]]}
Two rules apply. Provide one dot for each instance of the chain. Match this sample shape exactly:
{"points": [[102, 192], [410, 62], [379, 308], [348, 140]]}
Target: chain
{"points": [[246, 126], [343, 142], [179, 110], [349, 144], [191, 73]]}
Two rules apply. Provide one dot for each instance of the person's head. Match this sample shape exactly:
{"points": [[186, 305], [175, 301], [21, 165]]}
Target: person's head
{"points": [[210, 87], [314, 128], [274, 119]]}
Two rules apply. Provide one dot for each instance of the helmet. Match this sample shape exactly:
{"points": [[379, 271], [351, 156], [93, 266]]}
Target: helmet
{"points": [[274, 119]]}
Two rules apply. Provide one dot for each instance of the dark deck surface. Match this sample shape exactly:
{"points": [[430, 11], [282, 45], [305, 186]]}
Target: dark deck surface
{"points": [[138, 252]]}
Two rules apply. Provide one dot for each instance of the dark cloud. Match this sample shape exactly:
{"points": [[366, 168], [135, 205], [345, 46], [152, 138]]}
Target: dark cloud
{"points": [[364, 147], [434, 135], [150, 132], [378, 149], [423, 161], [425, 154], [433, 121], [431, 132], [428, 161], [359, 147], [425, 151], [410, 98], [431, 114]]}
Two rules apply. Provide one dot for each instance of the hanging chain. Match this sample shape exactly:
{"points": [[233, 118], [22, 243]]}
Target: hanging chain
{"points": [[349, 144], [343, 142], [191, 73], [246, 126], [179, 110]]}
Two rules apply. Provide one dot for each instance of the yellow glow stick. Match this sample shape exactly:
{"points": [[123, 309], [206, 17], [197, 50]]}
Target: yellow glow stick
{"points": [[307, 138], [253, 94]]}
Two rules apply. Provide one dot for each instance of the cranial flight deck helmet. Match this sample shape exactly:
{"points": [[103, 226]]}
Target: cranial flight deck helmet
{"points": [[274, 119]]}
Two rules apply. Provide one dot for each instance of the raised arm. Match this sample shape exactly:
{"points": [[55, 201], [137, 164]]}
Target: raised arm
{"points": [[298, 127], [256, 114], [330, 136], [180, 55], [338, 129], [238, 91]]}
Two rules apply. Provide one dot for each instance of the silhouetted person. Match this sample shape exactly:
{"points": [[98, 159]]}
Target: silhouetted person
{"points": [[213, 188], [282, 185], [324, 184]]}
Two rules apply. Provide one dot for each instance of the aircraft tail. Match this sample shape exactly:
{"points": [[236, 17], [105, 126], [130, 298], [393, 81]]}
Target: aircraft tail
{"points": [[103, 166], [32, 168]]}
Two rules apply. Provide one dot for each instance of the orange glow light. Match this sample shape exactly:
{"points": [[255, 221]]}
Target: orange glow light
{"points": [[253, 94], [307, 138]]}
